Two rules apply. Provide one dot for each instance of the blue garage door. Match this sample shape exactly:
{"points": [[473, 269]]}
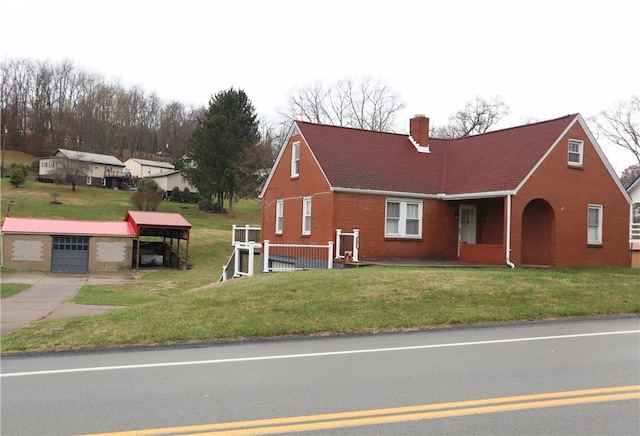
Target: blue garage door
{"points": [[70, 254]]}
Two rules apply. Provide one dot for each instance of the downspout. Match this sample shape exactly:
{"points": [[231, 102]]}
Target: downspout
{"points": [[511, 264]]}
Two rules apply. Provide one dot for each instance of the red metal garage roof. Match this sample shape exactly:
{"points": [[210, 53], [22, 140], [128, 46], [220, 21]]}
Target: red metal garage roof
{"points": [[68, 227], [160, 219], [166, 224]]}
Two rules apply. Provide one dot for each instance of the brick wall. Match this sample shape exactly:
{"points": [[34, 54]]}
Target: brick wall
{"points": [[367, 213], [568, 191]]}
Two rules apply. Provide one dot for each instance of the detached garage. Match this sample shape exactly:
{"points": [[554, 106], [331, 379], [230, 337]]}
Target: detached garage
{"points": [[33, 244]]}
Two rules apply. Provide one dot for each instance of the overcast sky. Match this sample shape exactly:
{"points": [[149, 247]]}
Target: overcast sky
{"points": [[545, 59]]}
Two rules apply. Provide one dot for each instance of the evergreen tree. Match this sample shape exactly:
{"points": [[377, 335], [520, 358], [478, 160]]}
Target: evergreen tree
{"points": [[18, 175], [227, 128]]}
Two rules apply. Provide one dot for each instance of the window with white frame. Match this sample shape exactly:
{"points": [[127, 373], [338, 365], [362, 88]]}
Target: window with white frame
{"points": [[403, 219], [594, 225], [575, 155], [279, 216], [306, 216], [295, 159]]}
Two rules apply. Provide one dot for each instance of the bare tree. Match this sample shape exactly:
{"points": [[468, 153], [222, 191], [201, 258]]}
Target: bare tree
{"points": [[630, 174], [621, 125], [70, 169], [364, 103], [478, 116]]}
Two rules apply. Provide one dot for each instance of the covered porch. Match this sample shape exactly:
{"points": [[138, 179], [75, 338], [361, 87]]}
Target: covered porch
{"points": [[482, 224]]}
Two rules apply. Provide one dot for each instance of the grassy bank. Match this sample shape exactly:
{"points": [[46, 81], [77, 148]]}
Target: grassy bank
{"points": [[331, 302], [168, 306]]}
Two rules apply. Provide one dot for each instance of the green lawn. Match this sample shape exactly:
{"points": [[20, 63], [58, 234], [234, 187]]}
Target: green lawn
{"points": [[187, 306], [9, 289]]}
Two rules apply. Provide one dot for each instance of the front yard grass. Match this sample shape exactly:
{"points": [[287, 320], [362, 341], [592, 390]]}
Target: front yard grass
{"points": [[9, 289], [188, 306]]}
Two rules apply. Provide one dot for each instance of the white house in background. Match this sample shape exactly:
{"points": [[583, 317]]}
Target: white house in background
{"points": [[634, 192], [102, 169], [146, 168], [170, 179]]}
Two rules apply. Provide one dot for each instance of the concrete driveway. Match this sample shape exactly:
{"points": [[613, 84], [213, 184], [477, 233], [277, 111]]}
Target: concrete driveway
{"points": [[49, 295]]}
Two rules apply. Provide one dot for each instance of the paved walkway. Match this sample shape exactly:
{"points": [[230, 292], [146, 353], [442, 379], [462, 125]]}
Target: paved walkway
{"points": [[48, 297]]}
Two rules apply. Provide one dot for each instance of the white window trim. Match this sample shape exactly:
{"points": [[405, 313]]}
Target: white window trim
{"points": [[295, 159], [580, 152], [598, 239], [402, 223], [306, 213], [279, 216]]}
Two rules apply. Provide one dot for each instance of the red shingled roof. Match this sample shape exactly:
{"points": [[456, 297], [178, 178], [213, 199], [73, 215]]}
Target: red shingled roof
{"points": [[68, 227], [491, 162]]}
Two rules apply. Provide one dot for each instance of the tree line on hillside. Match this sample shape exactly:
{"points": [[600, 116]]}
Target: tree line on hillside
{"points": [[46, 106]]}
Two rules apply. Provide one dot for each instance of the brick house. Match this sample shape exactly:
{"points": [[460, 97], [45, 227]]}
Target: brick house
{"points": [[540, 194]]}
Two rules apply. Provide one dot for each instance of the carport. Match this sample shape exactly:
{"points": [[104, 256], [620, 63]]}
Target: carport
{"points": [[168, 226]]}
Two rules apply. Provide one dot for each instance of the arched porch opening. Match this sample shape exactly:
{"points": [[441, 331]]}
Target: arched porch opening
{"points": [[538, 233]]}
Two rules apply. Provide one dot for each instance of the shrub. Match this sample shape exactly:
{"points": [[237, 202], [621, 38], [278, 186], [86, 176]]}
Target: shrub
{"points": [[148, 201], [207, 206], [176, 195], [186, 196], [148, 185], [18, 175]]}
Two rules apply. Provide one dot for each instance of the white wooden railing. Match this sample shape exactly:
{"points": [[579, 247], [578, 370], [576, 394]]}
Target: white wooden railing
{"points": [[634, 231], [245, 234], [295, 257], [348, 245], [234, 267]]}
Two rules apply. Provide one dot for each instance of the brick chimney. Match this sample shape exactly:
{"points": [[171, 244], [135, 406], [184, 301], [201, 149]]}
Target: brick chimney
{"points": [[419, 129]]}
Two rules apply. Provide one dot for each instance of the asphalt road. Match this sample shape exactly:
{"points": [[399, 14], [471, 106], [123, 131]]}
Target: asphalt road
{"points": [[563, 377]]}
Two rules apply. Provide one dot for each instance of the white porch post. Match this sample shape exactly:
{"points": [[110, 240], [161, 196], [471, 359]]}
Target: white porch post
{"points": [[251, 255], [233, 234], [330, 264], [265, 266], [356, 244], [338, 234], [246, 233], [508, 236]]}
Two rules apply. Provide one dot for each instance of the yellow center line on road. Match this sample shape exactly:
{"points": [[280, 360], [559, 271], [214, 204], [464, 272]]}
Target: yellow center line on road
{"points": [[398, 414]]}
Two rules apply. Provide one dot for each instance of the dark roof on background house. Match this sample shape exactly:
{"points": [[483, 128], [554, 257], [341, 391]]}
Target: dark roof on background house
{"points": [[633, 183], [68, 227], [84, 156], [490, 162]]}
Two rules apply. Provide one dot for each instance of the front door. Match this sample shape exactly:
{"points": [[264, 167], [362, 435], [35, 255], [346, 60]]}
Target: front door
{"points": [[466, 225]]}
